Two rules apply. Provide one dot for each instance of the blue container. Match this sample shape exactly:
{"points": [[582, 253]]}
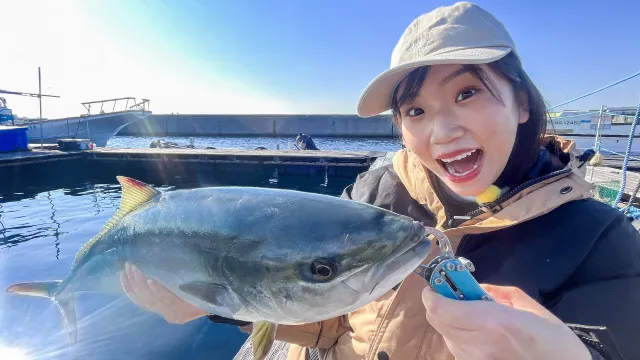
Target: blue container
{"points": [[6, 118], [13, 138]]}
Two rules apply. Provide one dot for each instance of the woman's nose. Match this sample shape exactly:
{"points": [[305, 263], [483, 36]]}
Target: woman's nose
{"points": [[446, 128]]}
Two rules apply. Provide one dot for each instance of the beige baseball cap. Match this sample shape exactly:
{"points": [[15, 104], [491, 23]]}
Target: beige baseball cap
{"points": [[463, 33]]}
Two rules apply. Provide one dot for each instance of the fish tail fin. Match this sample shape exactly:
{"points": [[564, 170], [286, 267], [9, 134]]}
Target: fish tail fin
{"points": [[48, 289], [262, 338], [67, 306]]}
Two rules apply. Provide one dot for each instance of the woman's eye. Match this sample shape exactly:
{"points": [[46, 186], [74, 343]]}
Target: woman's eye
{"points": [[415, 112], [465, 94]]}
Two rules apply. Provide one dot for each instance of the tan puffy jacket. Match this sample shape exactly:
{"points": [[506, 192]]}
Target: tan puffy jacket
{"points": [[396, 323]]}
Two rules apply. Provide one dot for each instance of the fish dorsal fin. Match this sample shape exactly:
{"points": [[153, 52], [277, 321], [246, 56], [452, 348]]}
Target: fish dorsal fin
{"points": [[134, 194]]}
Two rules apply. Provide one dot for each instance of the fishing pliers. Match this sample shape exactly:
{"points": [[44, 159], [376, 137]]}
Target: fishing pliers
{"points": [[449, 275]]}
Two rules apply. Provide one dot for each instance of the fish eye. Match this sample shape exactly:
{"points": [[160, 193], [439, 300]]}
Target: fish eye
{"points": [[323, 269]]}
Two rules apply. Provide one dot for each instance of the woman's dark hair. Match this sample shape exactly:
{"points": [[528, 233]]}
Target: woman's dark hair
{"points": [[529, 135]]}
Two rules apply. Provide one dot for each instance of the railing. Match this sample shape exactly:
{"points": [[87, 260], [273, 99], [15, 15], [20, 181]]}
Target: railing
{"points": [[598, 144], [143, 105]]}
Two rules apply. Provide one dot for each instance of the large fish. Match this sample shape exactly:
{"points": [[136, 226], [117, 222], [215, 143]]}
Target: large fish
{"points": [[267, 256]]}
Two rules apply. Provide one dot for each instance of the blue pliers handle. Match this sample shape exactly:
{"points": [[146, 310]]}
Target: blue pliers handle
{"points": [[449, 275]]}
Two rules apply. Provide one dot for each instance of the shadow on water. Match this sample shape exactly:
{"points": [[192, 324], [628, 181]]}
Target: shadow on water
{"points": [[47, 212]]}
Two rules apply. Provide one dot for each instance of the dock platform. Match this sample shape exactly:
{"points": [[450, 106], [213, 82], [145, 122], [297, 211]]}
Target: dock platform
{"points": [[37, 155], [333, 164], [221, 156], [616, 161], [293, 157], [330, 171], [226, 156]]}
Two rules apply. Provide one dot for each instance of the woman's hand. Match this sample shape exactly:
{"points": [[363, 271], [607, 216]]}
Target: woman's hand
{"points": [[150, 295], [514, 327]]}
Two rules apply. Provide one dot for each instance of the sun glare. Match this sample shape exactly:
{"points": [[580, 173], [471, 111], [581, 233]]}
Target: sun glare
{"points": [[7, 353]]}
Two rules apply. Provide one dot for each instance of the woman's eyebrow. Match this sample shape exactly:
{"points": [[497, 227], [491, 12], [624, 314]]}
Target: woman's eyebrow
{"points": [[454, 75]]}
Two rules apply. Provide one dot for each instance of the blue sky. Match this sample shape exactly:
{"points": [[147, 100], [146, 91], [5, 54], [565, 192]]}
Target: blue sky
{"points": [[286, 56]]}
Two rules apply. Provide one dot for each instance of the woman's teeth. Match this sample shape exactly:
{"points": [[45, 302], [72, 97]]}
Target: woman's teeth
{"points": [[462, 164], [459, 157]]}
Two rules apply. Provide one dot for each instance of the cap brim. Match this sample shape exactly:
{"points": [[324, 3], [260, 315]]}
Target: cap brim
{"points": [[376, 98]]}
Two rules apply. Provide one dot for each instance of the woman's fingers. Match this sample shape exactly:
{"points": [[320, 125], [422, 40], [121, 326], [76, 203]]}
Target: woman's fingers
{"points": [[130, 288], [151, 295], [246, 328], [139, 291], [174, 309], [516, 298]]}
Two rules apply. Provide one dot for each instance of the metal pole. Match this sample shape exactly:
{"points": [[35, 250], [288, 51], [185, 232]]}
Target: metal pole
{"points": [[595, 145], [40, 100], [598, 128]]}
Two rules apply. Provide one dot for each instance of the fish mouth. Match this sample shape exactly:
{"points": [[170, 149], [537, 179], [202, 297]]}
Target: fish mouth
{"points": [[396, 266]]}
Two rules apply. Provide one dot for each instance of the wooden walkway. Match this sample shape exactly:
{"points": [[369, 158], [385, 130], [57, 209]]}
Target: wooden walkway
{"points": [[615, 161], [278, 351], [611, 176]]}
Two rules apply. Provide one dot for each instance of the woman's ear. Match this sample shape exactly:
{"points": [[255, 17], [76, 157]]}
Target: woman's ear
{"points": [[523, 108], [398, 123]]}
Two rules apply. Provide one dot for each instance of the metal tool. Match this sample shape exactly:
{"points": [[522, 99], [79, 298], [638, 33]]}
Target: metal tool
{"points": [[449, 275]]}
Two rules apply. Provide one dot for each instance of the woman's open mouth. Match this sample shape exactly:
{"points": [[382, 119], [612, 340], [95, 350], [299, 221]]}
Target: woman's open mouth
{"points": [[463, 165]]}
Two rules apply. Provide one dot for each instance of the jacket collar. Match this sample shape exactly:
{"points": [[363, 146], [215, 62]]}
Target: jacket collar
{"points": [[542, 192]]}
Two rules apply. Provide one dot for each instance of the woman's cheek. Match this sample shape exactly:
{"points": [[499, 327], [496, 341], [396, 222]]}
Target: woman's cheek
{"points": [[415, 140], [421, 149]]}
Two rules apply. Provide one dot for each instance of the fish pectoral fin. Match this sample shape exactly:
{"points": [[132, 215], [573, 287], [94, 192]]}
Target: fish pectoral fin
{"points": [[211, 293], [134, 194], [262, 338]]}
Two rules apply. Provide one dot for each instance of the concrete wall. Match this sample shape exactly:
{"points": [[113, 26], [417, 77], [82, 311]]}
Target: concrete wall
{"points": [[262, 125]]}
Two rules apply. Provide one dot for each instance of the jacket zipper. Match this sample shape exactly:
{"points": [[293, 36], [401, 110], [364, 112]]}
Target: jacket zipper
{"points": [[457, 220]]}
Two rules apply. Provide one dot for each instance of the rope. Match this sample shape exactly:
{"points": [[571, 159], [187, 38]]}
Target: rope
{"points": [[623, 183], [634, 213], [635, 192], [597, 90]]}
